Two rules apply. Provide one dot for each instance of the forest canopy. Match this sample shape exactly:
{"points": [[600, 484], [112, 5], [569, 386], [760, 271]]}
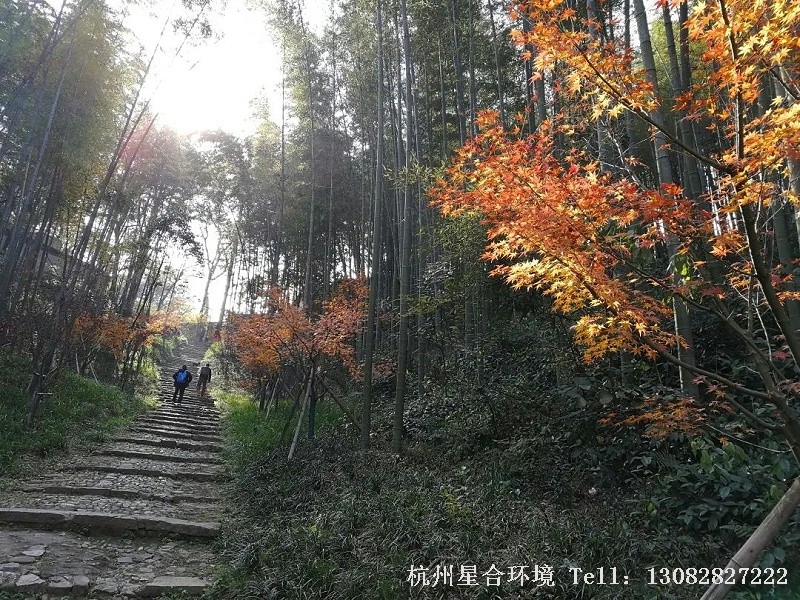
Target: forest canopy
{"points": [[465, 220]]}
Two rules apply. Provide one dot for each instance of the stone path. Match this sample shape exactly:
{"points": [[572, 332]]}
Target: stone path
{"points": [[133, 519]]}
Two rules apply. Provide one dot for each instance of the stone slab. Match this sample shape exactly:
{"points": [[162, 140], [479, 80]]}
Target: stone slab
{"points": [[196, 476], [111, 522], [35, 551], [164, 584], [7, 580], [30, 582], [159, 457], [169, 443], [171, 433]]}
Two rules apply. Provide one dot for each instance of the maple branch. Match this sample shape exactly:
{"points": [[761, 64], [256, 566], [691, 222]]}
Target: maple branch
{"points": [[627, 167], [744, 441], [739, 98], [749, 341], [339, 402], [661, 350], [763, 363], [642, 114], [763, 277], [755, 419], [718, 312], [775, 72]]}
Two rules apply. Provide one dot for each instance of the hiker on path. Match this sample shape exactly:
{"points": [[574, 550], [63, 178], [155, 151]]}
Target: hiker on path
{"points": [[204, 379], [182, 379]]}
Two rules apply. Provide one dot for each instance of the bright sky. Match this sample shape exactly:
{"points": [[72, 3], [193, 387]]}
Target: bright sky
{"points": [[211, 83], [215, 91]]}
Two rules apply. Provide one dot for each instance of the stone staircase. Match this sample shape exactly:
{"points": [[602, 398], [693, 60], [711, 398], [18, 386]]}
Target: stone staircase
{"points": [[135, 518]]}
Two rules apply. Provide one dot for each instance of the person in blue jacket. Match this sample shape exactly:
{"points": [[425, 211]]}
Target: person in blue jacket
{"points": [[182, 377]]}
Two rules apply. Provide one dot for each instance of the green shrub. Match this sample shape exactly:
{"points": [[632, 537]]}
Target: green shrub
{"points": [[250, 434], [77, 411]]}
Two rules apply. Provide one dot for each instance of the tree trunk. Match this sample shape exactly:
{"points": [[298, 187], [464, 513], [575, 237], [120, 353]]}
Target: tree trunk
{"points": [[308, 292], [497, 74], [405, 260], [300, 419], [374, 281], [13, 252], [329, 265], [690, 176], [457, 71], [761, 538], [683, 326]]}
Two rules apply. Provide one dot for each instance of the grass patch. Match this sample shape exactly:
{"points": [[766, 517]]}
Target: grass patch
{"points": [[338, 523], [79, 411], [250, 433]]}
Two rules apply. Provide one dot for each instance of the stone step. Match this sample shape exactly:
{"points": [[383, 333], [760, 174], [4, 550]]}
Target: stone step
{"points": [[189, 400], [171, 428], [197, 408], [181, 417], [171, 433], [190, 393], [168, 443], [178, 425], [210, 421], [144, 484], [109, 522], [156, 456], [189, 510], [190, 407], [150, 472], [127, 450], [117, 493], [69, 564]]}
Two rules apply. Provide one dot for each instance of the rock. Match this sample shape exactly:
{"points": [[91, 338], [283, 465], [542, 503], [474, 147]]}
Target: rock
{"points": [[30, 582], [10, 566], [59, 584], [105, 586], [164, 584], [35, 551], [80, 584], [23, 560], [124, 560], [7, 580]]}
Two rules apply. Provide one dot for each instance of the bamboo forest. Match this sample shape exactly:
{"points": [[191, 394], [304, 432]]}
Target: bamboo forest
{"points": [[387, 299]]}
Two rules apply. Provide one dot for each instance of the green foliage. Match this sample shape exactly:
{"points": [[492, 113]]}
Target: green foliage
{"points": [[250, 434], [78, 411], [214, 352], [506, 467], [723, 491], [339, 523], [490, 476]]}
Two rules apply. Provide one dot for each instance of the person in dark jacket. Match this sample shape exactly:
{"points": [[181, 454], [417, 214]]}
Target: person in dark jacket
{"points": [[182, 377], [204, 379]]}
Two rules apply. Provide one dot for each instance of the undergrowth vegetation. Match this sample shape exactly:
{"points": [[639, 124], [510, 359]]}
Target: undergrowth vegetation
{"points": [[76, 411], [516, 469]]}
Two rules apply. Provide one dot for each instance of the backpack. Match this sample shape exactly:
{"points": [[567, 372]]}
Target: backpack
{"points": [[181, 377]]}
